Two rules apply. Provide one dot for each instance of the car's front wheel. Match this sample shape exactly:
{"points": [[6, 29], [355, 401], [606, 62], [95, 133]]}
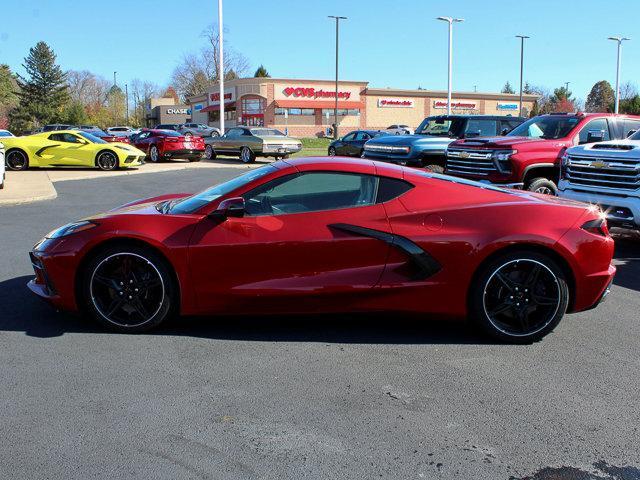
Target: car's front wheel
{"points": [[542, 185], [246, 155], [128, 289], [209, 153], [16, 160], [107, 161], [154, 155], [519, 297], [332, 152]]}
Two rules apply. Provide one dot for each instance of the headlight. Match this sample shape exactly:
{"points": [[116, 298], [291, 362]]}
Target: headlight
{"points": [[70, 228], [501, 160]]}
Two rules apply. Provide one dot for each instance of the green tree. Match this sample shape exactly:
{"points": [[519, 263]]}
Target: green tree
{"points": [[75, 114], [600, 98], [8, 94], [527, 89], [630, 105], [261, 72], [508, 88], [43, 91]]}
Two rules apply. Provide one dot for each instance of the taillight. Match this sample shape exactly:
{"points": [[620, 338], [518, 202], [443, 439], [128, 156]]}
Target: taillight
{"points": [[597, 226]]}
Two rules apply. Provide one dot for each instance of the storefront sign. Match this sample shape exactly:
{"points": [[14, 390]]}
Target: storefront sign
{"points": [[310, 92], [395, 103], [458, 105], [197, 107], [229, 96], [507, 106], [178, 111]]}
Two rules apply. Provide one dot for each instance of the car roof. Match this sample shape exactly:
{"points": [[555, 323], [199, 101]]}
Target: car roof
{"points": [[486, 117]]}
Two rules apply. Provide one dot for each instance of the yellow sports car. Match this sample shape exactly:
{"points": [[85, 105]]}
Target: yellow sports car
{"points": [[69, 148]]}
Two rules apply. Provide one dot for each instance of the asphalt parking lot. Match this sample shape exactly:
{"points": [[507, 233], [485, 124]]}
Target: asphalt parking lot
{"points": [[355, 397]]}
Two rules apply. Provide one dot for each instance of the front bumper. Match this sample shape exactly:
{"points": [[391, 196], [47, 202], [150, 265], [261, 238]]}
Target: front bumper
{"points": [[621, 211], [132, 161]]}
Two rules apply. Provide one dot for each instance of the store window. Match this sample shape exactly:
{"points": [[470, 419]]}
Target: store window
{"points": [[295, 111], [229, 114], [253, 106], [342, 112]]}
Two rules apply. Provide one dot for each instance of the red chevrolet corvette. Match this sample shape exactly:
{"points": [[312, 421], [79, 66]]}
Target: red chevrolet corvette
{"points": [[166, 144], [334, 235]]}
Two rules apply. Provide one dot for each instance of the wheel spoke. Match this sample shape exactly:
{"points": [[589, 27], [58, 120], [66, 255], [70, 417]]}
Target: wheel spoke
{"points": [[140, 308], [533, 276], [523, 319], [114, 306], [543, 300], [506, 281], [107, 282], [502, 308]]}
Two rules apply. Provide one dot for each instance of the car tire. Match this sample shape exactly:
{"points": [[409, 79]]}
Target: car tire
{"points": [[435, 168], [284, 157], [542, 185], [247, 155], [107, 161], [154, 154], [133, 302], [332, 152], [214, 134], [519, 297], [16, 160], [209, 153]]}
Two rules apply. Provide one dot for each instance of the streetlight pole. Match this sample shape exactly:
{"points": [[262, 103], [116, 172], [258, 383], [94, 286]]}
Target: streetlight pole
{"points": [[566, 86], [619, 40], [335, 111], [126, 100], [450, 21], [114, 79], [521, 37], [221, 66]]}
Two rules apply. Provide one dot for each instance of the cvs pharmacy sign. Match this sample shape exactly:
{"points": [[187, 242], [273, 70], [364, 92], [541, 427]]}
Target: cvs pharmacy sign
{"points": [[310, 92]]}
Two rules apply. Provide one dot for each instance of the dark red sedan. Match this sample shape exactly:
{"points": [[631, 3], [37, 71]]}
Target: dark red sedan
{"points": [[334, 235], [167, 144]]}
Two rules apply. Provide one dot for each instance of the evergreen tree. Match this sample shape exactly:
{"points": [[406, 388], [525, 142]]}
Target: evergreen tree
{"points": [[261, 72], [43, 91], [508, 88], [75, 114], [600, 98], [8, 94], [527, 89]]}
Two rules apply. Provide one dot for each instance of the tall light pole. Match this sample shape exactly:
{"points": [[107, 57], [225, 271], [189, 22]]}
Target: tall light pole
{"points": [[114, 79], [450, 21], [335, 111], [521, 37], [126, 100], [221, 66], [619, 40], [566, 86]]}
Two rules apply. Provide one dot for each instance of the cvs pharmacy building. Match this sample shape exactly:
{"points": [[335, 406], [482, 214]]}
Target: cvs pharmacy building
{"points": [[306, 107]]}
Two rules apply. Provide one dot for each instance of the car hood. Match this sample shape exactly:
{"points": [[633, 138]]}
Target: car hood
{"points": [[145, 206], [501, 142], [409, 140], [624, 149]]}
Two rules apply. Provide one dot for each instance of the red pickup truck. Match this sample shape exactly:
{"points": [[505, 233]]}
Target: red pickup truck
{"points": [[529, 156]]}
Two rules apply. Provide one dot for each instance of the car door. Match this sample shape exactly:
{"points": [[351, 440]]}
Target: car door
{"points": [[344, 145], [594, 131], [143, 141], [230, 142], [291, 249], [358, 143], [67, 149]]}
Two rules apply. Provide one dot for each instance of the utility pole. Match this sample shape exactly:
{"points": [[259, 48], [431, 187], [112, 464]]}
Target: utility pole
{"points": [[619, 40], [221, 65], [450, 21], [521, 37], [114, 79], [335, 111], [126, 96]]}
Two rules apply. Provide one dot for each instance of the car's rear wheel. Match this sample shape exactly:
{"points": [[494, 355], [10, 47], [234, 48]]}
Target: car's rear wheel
{"points": [[128, 289], [542, 185], [519, 297], [107, 161], [209, 153], [154, 155], [16, 160], [214, 133], [332, 152], [246, 155]]}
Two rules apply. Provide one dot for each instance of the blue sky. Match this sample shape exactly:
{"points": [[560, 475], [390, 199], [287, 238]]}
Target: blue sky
{"points": [[389, 44]]}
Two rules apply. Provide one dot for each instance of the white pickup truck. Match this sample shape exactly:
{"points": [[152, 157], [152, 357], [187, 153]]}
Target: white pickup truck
{"points": [[606, 174]]}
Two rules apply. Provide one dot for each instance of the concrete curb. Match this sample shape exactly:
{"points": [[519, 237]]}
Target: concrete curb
{"points": [[27, 187]]}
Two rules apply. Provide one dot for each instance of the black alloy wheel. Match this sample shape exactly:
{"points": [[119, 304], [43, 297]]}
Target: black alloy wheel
{"points": [[16, 160], [107, 161], [520, 297], [128, 289]]}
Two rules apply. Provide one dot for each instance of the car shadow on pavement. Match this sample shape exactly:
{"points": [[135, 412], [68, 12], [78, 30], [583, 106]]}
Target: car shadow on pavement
{"points": [[22, 311], [627, 260]]}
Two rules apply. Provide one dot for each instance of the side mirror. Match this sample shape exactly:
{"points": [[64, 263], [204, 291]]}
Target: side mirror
{"points": [[631, 132], [231, 207], [504, 131], [595, 136]]}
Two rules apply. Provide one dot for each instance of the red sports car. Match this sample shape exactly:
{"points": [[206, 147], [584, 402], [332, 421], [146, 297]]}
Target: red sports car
{"points": [[165, 144], [334, 235]]}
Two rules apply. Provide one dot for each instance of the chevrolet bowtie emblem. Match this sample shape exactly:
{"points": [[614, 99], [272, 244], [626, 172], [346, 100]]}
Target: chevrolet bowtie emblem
{"points": [[464, 154], [599, 164]]}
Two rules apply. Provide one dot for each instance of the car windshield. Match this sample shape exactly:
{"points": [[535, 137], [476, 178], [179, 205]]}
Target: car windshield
{"points": [[441, 126], [194, 202], [91, 138], [170, 133], [546, 127], [264, 132]]}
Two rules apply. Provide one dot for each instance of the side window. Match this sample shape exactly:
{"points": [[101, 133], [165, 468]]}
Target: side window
{"points": [[232, 133], [144, 135], [362, 136], [312, 192], [599, 124], [482, 128], [349, 137], [390, 188], [64, 137], [629, 126], [508, 125]]}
